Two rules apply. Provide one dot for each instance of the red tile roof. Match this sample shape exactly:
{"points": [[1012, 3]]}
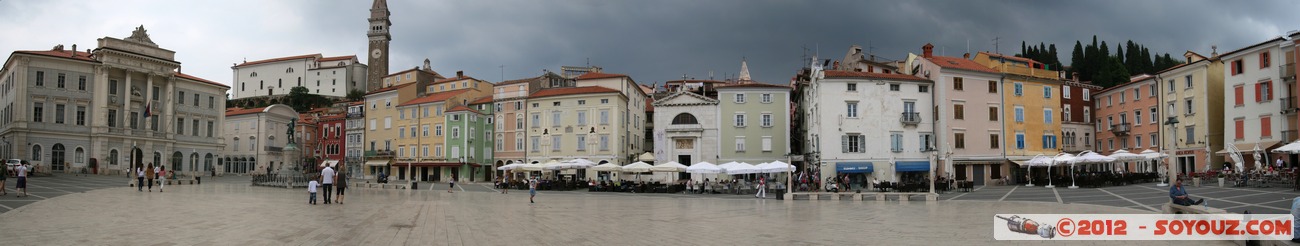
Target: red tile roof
{"points": [[435, 97], [463, 108], [333, 117], [754, 84], [356, 103], [453, 79], [1013, 58], [599, 76], [694, 81], [434, 73], [390, 88], [571, 91], [482, 100], [82, 56], [959, 63], [336, 58], [890, 76], [235, 112], [192, 77], [289, 58]]}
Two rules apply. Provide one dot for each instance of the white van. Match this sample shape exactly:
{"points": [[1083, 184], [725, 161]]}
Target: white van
{"points": [[12, 164]]}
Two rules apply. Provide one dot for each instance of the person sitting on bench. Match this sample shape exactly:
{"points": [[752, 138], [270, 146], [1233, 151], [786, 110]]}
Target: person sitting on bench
{"points": [[1179, 195]]}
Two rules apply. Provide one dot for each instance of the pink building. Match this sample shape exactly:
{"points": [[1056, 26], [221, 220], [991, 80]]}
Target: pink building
{"points": [[509, 98], [1127, 119]]}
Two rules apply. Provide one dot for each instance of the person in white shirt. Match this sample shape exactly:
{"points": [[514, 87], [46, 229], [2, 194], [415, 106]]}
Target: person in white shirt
{"points": [[311, 188], [327, 181], [139, 178], [162, 176], [22, 180]]}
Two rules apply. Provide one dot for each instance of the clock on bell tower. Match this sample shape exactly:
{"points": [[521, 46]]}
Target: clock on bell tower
{"points": [[379, 37]]}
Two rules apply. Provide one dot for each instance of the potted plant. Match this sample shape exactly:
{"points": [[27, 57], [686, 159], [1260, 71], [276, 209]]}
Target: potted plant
{"points": [[1221, 179]]}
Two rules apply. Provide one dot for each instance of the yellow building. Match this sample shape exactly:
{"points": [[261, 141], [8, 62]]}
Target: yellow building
{"points": [[1032, 111], [460, 82], [381, 130], [421, 134], [577, 122]]}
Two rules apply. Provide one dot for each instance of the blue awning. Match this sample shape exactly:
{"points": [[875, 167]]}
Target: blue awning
{"points": [[854, 167], [912, 166]]}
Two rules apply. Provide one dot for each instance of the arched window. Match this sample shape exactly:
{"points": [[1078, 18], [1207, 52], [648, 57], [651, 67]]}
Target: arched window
{"points": [[177, 158], [684, 119], [254, 74], [36, 152], [79, 155], [290, 70], [112, 157]]}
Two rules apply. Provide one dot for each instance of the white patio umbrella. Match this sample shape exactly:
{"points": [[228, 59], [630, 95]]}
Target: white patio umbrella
{"points": [[554, 165], [703, 167], [1290, 148], [776, 167], [531, 167], [1037, 161], [1152, 155], [607, 167], [580, 163], [646, 157], [733, 168], [1087, 157], [637, 167], [670, 166], [511, 166], [1125, 156]]}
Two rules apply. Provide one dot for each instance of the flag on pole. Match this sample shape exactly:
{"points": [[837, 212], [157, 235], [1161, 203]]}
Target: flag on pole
{"points": [[148, 109]]}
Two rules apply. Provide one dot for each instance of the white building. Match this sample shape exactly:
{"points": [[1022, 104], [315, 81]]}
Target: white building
{"points": [[875, 121], [65, 110], [256, 139], [327, 76], [1256, 101], [356, 136], [687, 129]]}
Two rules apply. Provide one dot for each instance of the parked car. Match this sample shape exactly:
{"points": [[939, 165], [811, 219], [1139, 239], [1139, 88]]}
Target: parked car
{"points": [[11, 165]]}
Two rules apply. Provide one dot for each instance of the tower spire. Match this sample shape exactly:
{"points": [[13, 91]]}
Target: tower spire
{"points": [[744, 70]]}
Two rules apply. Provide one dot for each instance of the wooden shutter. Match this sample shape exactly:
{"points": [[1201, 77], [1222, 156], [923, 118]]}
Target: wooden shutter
{"points": [[1269, 86], [1240, 127], [862, 143], [1265, 126], [1233, 65], [1239, 91], [844, 144], [1258, 97]]}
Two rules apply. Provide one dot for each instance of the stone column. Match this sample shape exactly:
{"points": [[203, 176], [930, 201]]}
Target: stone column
{"points": [[126, 99], [168, 106], [148, 98]]}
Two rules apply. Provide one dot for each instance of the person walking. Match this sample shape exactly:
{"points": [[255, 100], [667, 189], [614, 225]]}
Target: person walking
{"points": [[327, 179], [149, 174], [342, 185], [452, 184], [3, 175], [532, 189], [162, 177], [762, 188], [139, 178], [22, 180], [311, 189]]}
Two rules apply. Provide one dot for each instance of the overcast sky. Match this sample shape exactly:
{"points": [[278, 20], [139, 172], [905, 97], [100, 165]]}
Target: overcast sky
{"points": [[653, 41]]}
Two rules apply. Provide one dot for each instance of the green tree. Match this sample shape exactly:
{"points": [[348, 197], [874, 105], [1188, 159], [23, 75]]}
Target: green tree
{"points": [[356, 95]]}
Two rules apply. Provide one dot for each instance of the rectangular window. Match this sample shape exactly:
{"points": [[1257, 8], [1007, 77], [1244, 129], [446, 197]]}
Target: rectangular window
{"points": [[535, 143], [767, 144], [210, 132], [740, 120], [1240, 128], [437, 130], [196, 99], [740, 144], [1153, 115], [536, 120], [894, 87], [604, 142], [38, 112], [388, 122], [1154, 141], [1020, 141], [1237, 67], [1265, 127], [582, 143], [852, 86], [180, 126], [604, 116], [40, 78], [1137, 117], [740, 98], [1047, 115], [1265, 60], [852, 108], [767, 97], [81, 115], [194, 127], [372, 124], [1187, 103], [555, 143], [519, 123], [1065, 91], [993, 86], [582, 118], [993, 141], [60, 81], [112, 87], [957, 84], [81, 83], [1188, 81], [959, 140], [59, 113], [1019, 89], [180, 98], [853, 143], [1137, 140], [112, 118], [766, 120], [959, 111], [1047, 91], [1137, 93], [923, 89], [401, 132], [1020, 114], [519, 142], [1087, 94], [993, 114], [555, 118], [424, 130], [896, 142], [1191, 134], [455, 132]]}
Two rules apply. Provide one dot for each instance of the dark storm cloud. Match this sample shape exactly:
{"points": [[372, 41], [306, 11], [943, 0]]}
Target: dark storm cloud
{"points": [[653, 41]]}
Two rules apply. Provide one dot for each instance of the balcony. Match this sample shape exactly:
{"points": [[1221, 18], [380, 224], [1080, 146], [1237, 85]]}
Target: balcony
{"points": [[1288, 105], [1287, 72], [1121, 129], [910, 118], [274, 149], [379, 153]]}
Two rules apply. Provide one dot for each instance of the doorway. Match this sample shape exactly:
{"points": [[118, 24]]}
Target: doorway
{"points": [[684, 160], [978, 178]]}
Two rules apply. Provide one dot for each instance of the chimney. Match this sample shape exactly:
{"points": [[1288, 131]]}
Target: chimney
{"points": [[460, 74], [965, 56], [928, 50], [74, 50]]}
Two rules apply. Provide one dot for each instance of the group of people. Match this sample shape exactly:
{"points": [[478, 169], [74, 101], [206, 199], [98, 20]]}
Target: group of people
{"points": [[504, 186], [327, 180], [150, 174], [21, 173]]}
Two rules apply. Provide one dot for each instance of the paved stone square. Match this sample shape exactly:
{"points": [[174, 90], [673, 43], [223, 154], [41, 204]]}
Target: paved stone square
{"points": [[230, 212], [1146, 196]]}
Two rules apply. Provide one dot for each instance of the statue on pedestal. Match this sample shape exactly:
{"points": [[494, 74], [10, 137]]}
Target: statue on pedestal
{"points": [[291, 160]]}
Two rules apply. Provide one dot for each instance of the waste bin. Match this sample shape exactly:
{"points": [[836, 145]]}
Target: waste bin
{"points": [[780, 194], [415, 185]]}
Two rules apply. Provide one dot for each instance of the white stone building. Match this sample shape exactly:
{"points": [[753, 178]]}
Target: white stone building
{"points": [[256, 139], [875, 121], [687, 127], [327, 76], [1257, 101], [67, 110]]}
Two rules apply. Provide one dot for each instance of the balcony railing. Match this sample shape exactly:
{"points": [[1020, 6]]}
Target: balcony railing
{"points": [[910, 118], [1121, 129], [1288, 105], [274, 149], [1287, 72]]}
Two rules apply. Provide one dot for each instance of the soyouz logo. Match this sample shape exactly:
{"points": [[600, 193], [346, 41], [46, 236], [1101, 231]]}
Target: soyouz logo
{"points": [[1143, 226]]}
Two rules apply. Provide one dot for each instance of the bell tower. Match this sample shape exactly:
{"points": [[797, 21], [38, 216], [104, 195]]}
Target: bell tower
{"points": [[379, 38]]}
